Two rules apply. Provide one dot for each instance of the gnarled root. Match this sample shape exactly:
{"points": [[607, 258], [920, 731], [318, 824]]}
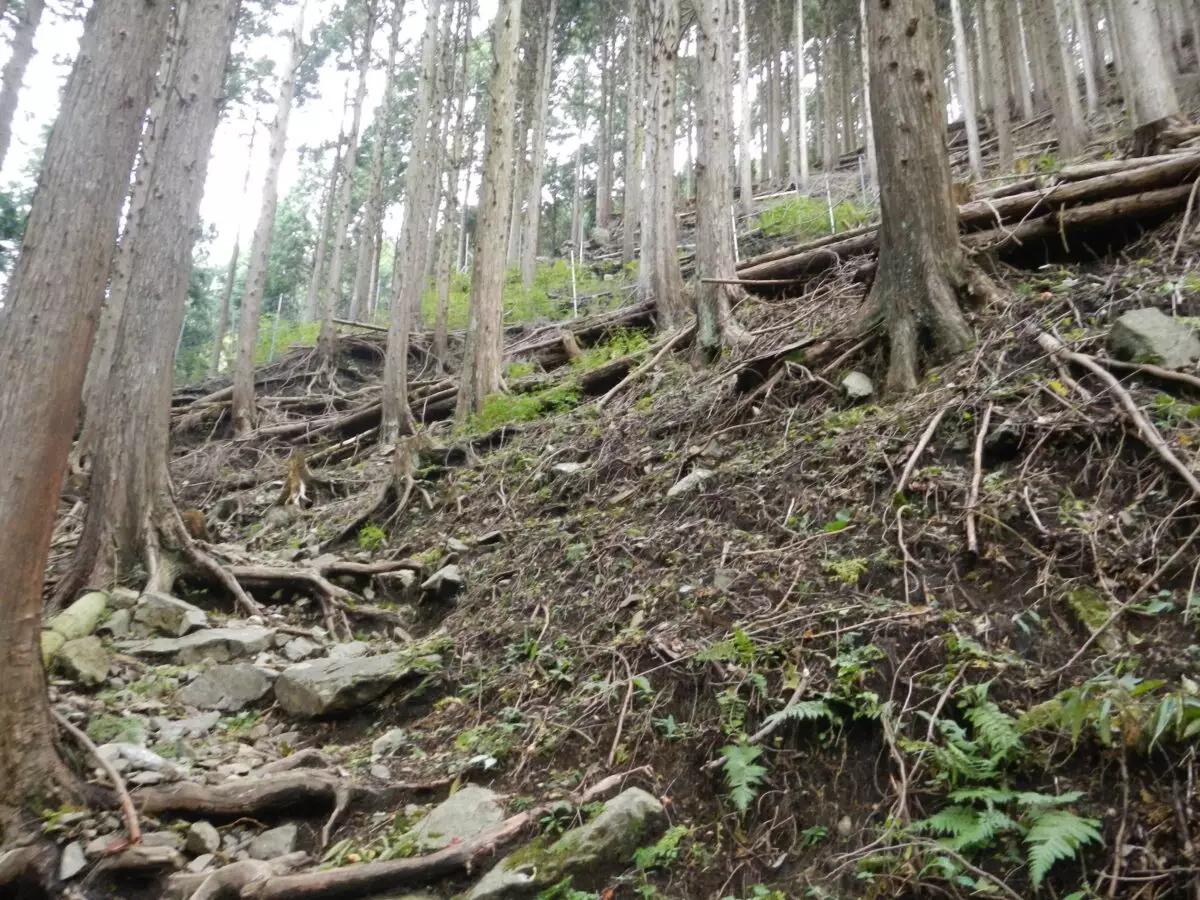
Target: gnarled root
{"points": [[228, 881]]}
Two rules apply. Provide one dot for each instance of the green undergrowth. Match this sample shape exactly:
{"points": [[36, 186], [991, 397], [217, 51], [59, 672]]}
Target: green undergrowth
{"points": [[808, 217], [290, 334]]}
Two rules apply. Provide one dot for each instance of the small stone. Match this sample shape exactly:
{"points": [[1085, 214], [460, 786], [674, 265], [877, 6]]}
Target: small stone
{"points": [[202, 838], [144, 779], [274, 843], [226, 688], [162, 839], [118, 624], [83, 661], [568, 468], [197, 726], [201, 863], [382, 772], [723, 579], [468, 812], [169, 615], [1151, 336], [457, 546], [123, 598], [858, 386], [349, 650], [845, 826], [73, 861], [300, 649], [690, 482], [97, 845], [446, 582], [388, 743]]}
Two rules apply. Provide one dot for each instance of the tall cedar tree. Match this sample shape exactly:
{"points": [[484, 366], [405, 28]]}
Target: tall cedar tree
{"points": [[50, 310], [1154, 102], [131, 516], [482, 372], [923, 270]]}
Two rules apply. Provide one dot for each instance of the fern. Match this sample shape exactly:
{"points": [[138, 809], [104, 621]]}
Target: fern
{"points": [[743, 775], [1055, 835], [963, 828], [805, 710], [994, 728]]}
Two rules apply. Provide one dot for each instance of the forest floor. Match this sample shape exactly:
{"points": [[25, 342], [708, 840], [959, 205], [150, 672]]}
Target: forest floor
{"points": [[942, 645]]}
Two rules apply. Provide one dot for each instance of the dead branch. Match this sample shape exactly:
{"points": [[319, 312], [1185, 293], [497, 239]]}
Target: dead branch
{"points": [[667, 345], [118, 783], [977, 480], [231, 879], [926, 437]]}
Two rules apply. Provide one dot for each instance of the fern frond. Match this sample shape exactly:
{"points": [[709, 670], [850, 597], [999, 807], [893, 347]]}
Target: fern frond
{"points": [[743, 775], [995, 728], [1055, 835], [805, 710], [989, 795], [1035, 801], [963, 828]]}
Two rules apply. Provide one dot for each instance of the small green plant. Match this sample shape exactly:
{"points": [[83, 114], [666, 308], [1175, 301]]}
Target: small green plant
{"points": [[371, 538], [743, 775], [847, 571], [809, 217], [664, 853], [506, 409], [621, 343]]}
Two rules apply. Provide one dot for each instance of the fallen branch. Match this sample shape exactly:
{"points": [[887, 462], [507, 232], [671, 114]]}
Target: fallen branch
{"points": [[231, 879], [773, 722], [926, 437], [1145, 427], [977, 481], [667, 345], [118, 783]]}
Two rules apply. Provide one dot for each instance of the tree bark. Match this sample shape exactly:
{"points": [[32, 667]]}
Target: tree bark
{"points": [[774, 92], [1020, 85], [714, 190], [214, 365], [1154, 102], [1087, 51], [49, 312], [922, 267], [537, 165], [603, 144], [631, 211], [997, 74], [799, 123], [868, 124], [482, 372], [660, 276], [829, 106], [13, 77], [419, 182], [966, 90], [244, 411], [327, 341], [745, 166]]}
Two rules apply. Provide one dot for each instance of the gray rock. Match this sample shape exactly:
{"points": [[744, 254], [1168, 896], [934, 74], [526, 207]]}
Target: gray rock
{"points": [[300, 649], [202, 838], [568, 468], [97, 845], [1151, 336], [140, 759], [446, 582], [169, 615], [123, 598], [690, 482], [349, 650], [469, 812], [201, 863], [227, 688], [630, 820], [388, 743], [383, 773], [274, 843], [83, 661], [858, 386], [163, 839], [197, 726], [217, 644], [457, 546], [335, 685], [145, 779], [118, 624], [73, 861]]}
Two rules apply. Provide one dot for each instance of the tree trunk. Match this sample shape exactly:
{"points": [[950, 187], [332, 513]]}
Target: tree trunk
{"points": [[714, 190], [1083, 31], [13, 77], [922, 267], [1044, 31], [1020, 86], [868, 124], [214, 365], [799, 123], [997, 74], [483, 362], [745, 166], [373, 213], [51, 306], [603, 148], [966, 90], [829, 106], [244, 412], [660, 276], [1153, 102], [774, 94], [327, 342], [631, 212], [130, 495], [845, 91], [419, 182], [312, 300], [537, 165]]}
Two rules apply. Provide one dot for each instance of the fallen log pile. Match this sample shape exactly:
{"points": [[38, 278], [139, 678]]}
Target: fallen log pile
{"points": [[1074, 200]]}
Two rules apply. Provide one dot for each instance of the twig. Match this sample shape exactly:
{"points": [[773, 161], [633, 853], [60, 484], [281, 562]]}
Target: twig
{"points": [[1149, 369], [977, 480], [1145, 429], [641, 370], [974, 870], [612, 753], [926, 437], [1187, 217], [127, 807]]}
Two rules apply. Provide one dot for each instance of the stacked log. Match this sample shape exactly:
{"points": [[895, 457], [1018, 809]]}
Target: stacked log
{"points": [[1075, 199]]}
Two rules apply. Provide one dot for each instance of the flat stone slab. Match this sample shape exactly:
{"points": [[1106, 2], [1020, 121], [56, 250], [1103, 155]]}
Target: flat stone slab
{"points": [[169, 615], [217, 644], [469, 812], [1151, 336], [333, 685], [227, 688]]}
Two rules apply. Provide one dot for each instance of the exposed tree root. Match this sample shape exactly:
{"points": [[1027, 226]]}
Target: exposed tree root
{"points": [[229, 881], [127, 809], [24, 871]]}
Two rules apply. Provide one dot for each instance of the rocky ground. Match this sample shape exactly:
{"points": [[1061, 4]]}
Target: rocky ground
{"points": [[746, 631]]}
